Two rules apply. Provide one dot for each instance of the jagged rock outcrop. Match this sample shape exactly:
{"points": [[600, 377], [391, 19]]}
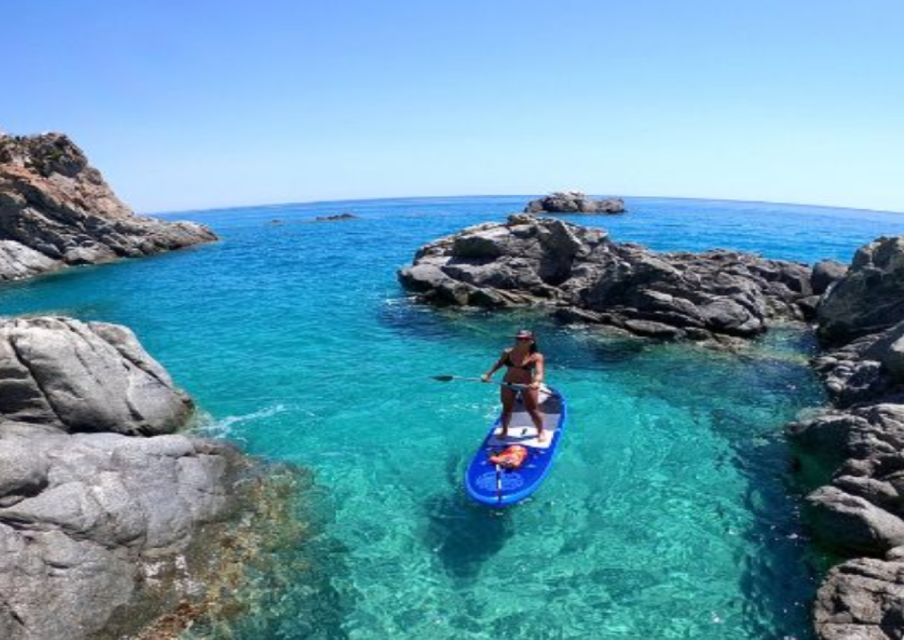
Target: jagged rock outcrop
{"points": [[56, 210], [574, 202], [869, 298], [581, 274], [92, 512]]}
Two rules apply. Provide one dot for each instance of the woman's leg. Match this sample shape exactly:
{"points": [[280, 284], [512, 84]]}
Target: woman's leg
{"points": [[508, 403], [531, 403]]}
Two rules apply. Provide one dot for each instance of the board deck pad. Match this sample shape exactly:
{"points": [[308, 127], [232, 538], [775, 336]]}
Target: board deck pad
{"points": [[500, 487]]}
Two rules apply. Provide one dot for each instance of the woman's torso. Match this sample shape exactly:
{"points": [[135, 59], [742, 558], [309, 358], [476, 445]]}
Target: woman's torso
{"points": [[520, 367]]}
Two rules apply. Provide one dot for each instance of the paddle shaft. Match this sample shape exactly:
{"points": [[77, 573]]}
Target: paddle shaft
{"points": [[510, 385]]}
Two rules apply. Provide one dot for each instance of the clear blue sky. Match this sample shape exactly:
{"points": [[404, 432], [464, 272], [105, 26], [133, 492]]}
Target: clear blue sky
{"points": [[203, 104]]}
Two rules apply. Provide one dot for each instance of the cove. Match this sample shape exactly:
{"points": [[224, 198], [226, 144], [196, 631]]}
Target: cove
{"points": [[671, 513]]}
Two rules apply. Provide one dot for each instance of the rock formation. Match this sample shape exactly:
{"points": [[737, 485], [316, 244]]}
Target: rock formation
{"points": [[338, 217], [99, 500], [56, 210], [856, 447], [871, 296], [574, 202], [582, 275]]}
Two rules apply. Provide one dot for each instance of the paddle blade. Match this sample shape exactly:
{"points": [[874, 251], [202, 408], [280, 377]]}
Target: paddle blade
{"points": [[444, 378]]}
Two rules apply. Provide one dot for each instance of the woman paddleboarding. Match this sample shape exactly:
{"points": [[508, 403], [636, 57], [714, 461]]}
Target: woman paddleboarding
{"points": [[525, 366]]}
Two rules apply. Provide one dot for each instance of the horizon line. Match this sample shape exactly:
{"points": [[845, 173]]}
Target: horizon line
{"points": [[507, 195]]}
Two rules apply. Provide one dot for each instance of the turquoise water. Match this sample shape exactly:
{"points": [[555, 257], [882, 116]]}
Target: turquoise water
{"points": [[671, 512]]}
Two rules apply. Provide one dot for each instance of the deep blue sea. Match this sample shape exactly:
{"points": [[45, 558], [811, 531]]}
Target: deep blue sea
{"points": [[670, 513]]}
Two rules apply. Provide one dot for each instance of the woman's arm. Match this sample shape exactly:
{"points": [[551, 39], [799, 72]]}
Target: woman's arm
{"points": [[539, 371], [499, 363]]}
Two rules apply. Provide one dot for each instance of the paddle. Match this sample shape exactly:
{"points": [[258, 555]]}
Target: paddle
{"points": [[510, 385]]}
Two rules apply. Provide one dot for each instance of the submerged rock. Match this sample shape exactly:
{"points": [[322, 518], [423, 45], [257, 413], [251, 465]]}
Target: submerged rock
{"points": [[574, 202], [94, 514], [56, 211], [581, 274]]}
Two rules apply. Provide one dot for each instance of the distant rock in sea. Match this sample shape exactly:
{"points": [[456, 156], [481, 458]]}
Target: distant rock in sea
{"points": [[57, 211], [574, 202], [582, 275], [336, 218], [108, 519]]}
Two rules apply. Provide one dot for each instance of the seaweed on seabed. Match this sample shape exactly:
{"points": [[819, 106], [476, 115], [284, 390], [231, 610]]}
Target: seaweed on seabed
{"points": [[250, 575]]}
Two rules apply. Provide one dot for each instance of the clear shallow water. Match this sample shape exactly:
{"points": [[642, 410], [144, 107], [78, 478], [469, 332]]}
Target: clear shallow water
{"points": [[668, 514]]}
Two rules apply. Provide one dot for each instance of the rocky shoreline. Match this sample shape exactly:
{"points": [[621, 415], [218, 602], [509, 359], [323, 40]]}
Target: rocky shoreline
{"points": [[112, 524], [852, 451], [104, 508], [57, 211]]}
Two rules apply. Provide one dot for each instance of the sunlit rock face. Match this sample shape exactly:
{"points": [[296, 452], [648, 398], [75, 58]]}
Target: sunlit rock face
{"points": [[100, 499], [56, 210]]}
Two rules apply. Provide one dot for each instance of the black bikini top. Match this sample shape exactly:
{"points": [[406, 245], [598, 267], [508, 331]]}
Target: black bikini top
{"points": [[524, 367]]}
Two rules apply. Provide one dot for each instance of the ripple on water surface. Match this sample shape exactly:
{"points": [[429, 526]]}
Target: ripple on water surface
{"points": [[669, 513]]}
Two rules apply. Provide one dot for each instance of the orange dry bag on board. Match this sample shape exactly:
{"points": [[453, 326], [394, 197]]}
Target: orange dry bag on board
{"points": [[511, 458]]}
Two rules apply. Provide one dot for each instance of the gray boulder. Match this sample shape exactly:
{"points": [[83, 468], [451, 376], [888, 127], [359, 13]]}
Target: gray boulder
{"points": [[101, 528], [56, 210], [826, 273], [851, 523], [861, 599], [85, 377], [574, 202], [18, 261], [834, 436], [85, 517], [869, 298], [868, 369], [580, 273], [888, 349]]}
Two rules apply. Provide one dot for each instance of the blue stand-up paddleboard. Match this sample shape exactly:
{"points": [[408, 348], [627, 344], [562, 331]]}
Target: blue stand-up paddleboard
{"points": [[496, 486]]}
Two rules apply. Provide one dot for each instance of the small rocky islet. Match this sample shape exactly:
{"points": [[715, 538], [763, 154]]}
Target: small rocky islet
{"points": [[851, 451], [103, 501], [574, 202]]}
